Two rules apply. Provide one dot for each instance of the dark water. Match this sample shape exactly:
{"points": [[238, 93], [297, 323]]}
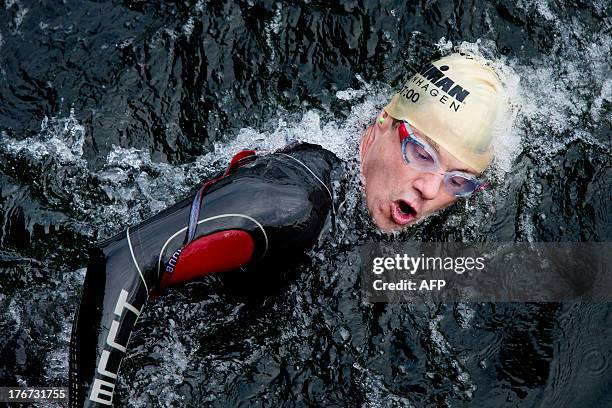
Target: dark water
{"points": [[111, 111]]}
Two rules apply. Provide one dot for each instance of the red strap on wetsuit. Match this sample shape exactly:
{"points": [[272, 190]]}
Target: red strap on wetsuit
{"points": [[238, 160], [217, 252]]}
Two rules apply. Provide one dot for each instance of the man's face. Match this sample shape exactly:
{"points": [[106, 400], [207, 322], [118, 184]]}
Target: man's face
{"points": [[397, 195]]}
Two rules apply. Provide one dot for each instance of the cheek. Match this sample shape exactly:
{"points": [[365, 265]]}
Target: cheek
{"points": [[371, 175], [379, 175], [384, 161], [380, 169], [442, 201]]}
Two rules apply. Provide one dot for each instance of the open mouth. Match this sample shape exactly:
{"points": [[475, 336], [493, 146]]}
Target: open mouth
{"points": [[402, 212]]}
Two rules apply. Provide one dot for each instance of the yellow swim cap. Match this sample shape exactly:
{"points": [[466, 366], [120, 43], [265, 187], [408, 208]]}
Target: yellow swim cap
{"points": [[455, 102]]}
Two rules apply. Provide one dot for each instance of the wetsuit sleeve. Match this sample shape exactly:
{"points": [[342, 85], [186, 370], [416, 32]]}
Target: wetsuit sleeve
{"points": [[267, 211], [113, 296]]}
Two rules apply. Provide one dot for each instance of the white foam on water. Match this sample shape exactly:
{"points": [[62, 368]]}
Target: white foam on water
{"points": [[560, 110], [52, 155], [445, 46], [597, 106], [158, 383], [272, 28], [61, 138], [15, 313], [436, 336], [55, 368], [541, 7], [19, 15], [376, 394], [554, 99], [350, 94], [459, 375], [134, 184], [339, 137], [187, 28]]}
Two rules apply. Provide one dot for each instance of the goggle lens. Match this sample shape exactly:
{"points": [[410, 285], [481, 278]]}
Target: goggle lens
{"points": [[422, 157], [460, 185], [418, 155]]}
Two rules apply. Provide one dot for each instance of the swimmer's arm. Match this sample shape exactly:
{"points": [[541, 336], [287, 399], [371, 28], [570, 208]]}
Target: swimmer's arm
{"points": [[283, 220]]}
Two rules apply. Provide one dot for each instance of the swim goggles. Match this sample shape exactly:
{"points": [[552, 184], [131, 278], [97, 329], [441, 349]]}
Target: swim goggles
{"points": [[419, 155]]}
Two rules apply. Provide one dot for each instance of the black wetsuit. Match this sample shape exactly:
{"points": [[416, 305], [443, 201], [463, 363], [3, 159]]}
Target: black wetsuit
{"points": [[265, 209]]}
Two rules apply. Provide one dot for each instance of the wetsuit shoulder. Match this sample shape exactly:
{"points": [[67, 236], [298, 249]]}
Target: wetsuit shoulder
{"points": [[315, 155]]}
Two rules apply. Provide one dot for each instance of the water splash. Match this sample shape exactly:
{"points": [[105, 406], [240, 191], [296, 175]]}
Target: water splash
{"points": [[59, 138]]}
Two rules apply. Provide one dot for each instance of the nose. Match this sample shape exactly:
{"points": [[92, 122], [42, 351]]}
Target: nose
{"points": [[428, 185]]}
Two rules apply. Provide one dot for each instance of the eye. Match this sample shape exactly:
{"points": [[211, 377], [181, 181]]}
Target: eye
{"points": [[458, 181], [422, 155]]}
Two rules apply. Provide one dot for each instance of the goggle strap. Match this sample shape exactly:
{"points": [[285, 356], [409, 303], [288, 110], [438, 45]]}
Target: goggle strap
{"points": [[483, 186], [403, 131]]}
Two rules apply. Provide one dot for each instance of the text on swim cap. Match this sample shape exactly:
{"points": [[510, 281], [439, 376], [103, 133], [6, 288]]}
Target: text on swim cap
{"points": [[434, 77]]}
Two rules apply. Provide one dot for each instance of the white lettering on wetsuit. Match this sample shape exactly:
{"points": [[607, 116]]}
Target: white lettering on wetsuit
{"points": [[102, 390], [173, 260]]}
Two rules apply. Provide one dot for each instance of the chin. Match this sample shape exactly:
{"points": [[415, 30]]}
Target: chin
{"points": [[388, 227], [383, 219], [386, 224]]}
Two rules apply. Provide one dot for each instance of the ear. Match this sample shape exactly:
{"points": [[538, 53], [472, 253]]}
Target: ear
{"points": [[381, 123], [383, 120], [366, 141]]}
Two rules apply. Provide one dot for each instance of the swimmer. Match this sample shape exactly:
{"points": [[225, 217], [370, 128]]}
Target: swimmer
{"points": [[431, 143], [426, 150]]}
